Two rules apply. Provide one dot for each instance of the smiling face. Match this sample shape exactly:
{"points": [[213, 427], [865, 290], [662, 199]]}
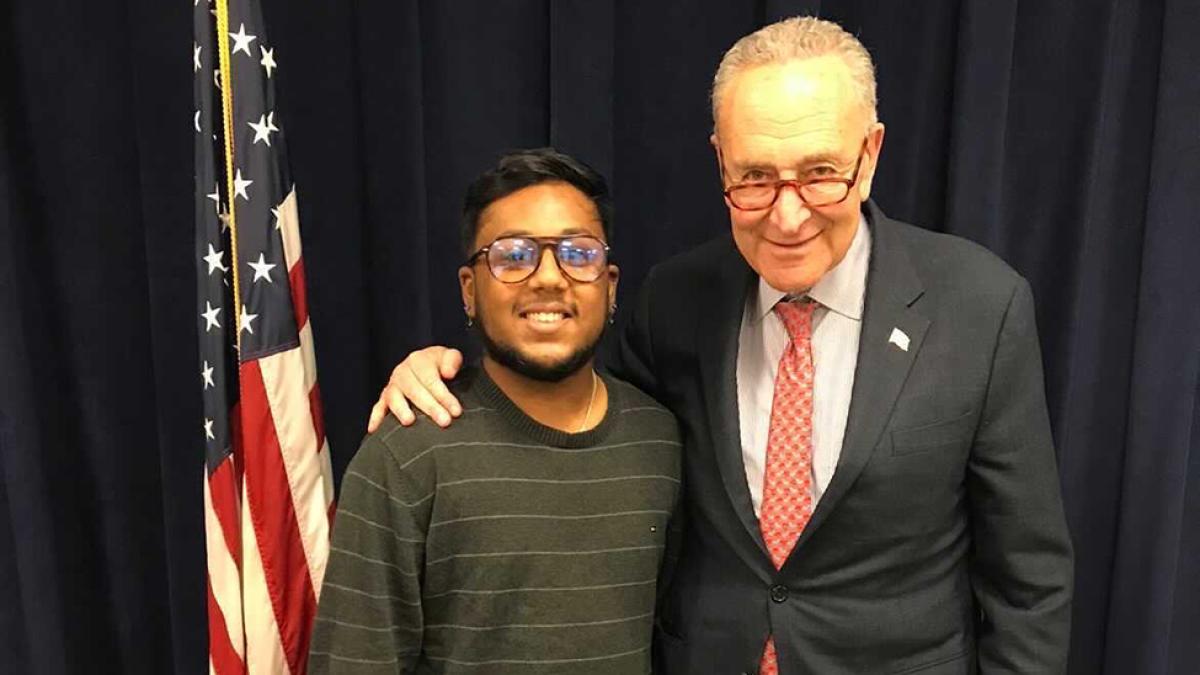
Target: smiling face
{"points": [[795, 120], [547, 326]]}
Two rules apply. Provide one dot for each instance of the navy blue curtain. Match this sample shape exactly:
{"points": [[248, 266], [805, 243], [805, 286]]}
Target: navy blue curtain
{"points": [[1061, 135]]}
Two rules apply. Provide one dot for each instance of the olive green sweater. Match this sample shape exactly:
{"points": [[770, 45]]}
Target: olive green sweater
{"points": [[500, 545]]}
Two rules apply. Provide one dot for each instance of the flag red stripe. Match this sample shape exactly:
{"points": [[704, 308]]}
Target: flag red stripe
{"points": [[299, 294], [223, 486], [235, 436], [274, 519], [318, 415], [225, 659]]}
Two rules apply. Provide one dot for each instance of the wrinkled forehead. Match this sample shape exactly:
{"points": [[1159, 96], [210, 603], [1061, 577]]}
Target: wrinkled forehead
{"points": [[802, 107]]}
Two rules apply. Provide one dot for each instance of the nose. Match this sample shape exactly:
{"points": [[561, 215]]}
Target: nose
{"points": [[789, 211], [547, 274]]}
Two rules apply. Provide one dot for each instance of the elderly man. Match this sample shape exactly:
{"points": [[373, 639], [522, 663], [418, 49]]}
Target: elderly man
{"points": [[870, 482]]}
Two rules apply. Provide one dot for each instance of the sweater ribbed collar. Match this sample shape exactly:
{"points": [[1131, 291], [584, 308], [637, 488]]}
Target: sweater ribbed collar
{"points": [[491, 395]]}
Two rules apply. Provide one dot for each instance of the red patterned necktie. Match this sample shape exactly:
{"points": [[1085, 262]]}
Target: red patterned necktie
{"points": [[787, 483]]}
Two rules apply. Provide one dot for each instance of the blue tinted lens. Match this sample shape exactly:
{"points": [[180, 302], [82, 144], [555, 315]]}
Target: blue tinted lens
{"points": [[513, 258], [582, 258], [582, 252], [518, 255]]}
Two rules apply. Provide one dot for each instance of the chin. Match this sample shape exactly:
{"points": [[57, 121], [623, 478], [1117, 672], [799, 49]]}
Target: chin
{"points": [[537, 364], [795, 280], [789, 272], [542, 360], [543, 369]]}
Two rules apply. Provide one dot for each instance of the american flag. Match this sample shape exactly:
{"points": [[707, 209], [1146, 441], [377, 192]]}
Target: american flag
{"points": [[268, 485]]}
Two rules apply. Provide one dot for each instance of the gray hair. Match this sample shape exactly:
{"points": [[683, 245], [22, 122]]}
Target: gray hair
{"points": [[799, 37]]}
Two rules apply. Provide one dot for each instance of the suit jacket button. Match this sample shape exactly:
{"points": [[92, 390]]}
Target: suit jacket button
{"points": [[779, 593]]}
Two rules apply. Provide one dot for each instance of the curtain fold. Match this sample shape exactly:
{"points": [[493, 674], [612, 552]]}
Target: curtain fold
{"points": [[1152, 617]]}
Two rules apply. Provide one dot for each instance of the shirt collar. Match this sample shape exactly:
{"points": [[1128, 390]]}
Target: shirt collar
{"points": [[842, 289]]}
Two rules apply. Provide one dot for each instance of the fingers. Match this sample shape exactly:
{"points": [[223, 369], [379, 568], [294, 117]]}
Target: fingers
{"points": [[398, 405], [377, 413], [393, 401], [417, 383], [422, 383], [448, 366], [449, 363]]}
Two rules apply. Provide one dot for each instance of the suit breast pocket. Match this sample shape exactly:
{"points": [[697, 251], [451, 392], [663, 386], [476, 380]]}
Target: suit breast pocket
{"points": [[938, 436]]}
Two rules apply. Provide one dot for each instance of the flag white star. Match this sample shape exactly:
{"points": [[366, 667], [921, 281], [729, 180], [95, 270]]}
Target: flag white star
{"points": [[196, 120], [224, 218], [217, 81], [245, 319], [207, 375], [196, 57], [210, 316], [214, 259], [242, 41], [268, 60], [262, 130], [240, 185], [208, 432], [215, 195], [275, 212], [271, 121], [262, 268]]}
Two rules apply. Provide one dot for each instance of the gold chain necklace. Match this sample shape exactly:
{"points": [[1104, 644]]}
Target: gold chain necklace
{"points": [[591, 400]]}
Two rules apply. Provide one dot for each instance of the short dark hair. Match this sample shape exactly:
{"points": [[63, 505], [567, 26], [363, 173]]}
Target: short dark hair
{"points": [[524, 168]]}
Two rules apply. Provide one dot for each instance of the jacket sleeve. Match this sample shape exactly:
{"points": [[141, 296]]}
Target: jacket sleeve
{"points": [[369, 618], [1021, 569]]}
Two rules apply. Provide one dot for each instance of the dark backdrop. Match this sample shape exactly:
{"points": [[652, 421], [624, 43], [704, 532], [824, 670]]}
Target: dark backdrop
{"points": [[1062, 135]]}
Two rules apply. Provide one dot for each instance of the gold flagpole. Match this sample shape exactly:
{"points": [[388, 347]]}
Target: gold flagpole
{"points": [[227, 109]]}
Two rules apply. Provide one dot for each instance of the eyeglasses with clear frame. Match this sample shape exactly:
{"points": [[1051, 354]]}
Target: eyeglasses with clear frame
{"points": [[814, 192], [511, 260]]}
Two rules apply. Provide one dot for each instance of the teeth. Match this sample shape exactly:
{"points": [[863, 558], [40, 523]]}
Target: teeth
{"points": [[545, 317]]}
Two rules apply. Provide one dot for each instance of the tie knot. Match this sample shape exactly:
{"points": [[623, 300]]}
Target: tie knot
{"points": [[797, 317]]}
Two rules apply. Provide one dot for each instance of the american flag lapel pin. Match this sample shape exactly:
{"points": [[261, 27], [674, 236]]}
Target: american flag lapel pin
{"points": [[899, 338]]}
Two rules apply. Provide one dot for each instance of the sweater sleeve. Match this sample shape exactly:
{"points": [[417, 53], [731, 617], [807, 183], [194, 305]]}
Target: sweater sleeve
{"points": [[369, 618]]}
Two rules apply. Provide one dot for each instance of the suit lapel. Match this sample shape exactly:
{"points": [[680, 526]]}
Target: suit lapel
{"points": [[718, 348], [893, 288]]}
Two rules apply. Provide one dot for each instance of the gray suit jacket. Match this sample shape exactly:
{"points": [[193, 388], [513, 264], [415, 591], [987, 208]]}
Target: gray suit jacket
{"points": [[940, 545]]}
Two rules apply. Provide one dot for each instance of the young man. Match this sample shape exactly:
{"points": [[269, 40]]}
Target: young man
{"points": [[528, 538]]}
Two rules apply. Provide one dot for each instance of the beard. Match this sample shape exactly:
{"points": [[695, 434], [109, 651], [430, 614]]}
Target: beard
{"points": [[510, 357]]}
